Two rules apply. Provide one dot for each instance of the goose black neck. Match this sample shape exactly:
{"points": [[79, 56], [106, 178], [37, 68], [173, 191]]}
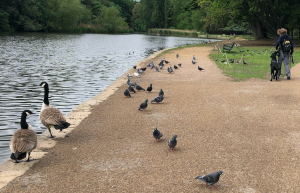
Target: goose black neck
{"points": [[46, 99], [24, 124]]}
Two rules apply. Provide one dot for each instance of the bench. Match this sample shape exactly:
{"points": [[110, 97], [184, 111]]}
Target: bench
{"points": [[229, 48]]}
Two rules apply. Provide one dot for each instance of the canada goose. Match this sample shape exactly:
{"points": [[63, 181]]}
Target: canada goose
{"points": [[51, 117], [23, 141]]}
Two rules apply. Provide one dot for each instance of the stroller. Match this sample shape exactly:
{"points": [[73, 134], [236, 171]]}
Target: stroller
{"points": [[275, 67]]}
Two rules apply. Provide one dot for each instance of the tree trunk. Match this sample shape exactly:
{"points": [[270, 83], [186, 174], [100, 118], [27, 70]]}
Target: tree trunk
{"points": [[257, 29]]}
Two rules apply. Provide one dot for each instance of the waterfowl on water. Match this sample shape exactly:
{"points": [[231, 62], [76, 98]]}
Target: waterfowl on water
{"points": [[24, 140], [51, 117]]}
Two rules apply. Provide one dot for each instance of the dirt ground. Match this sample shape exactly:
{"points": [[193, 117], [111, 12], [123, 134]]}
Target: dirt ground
{"points": [[249, 130]]}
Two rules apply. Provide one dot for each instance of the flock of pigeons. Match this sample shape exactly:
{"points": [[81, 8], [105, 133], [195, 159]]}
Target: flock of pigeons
{"points": [[24, 140], [211, 178]]}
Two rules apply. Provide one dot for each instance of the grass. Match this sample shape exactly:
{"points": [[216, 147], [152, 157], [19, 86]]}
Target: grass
{"points": [[258, 64]]}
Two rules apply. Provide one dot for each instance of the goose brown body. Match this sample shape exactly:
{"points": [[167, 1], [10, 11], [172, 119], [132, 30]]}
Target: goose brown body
{"points": [[23, 140]]}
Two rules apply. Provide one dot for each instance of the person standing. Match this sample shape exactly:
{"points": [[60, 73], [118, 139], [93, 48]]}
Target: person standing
{"points": [[286, 49]]}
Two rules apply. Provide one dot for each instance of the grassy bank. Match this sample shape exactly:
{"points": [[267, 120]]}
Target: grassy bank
{"points": [[257, 61], [173, 32]]}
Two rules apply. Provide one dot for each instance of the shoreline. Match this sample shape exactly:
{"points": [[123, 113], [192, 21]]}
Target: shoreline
{"points": [[9, 170]]}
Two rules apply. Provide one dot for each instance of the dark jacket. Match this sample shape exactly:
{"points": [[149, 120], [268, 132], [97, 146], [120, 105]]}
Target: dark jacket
{"points": [[281, 40]]}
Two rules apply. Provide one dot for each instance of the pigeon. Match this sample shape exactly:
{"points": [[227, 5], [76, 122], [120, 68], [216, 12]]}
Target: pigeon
{"points": [[140, 71], [144, 105], [158, 99], [151, 63], [127, 93], [143, 69], [231, 61], [138, 87], [194, 58], [223, 61], [163, 59], [211, 178], [160, 67], [161, 63], [179, 64], [131, 89], [161, 92], [166, 62], [199, 68], [244, 62], [216, 59], [136, 74], [251, 54], [128, 75], [134, 67], [172, 142], [177, 56], [175, 67], [233, 54], [156, 68], [149, 89], [157, 134], [129, 83], [193, 62], [170, 70]]}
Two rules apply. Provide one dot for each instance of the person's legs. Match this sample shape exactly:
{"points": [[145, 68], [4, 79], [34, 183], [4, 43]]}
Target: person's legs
{"points": [[286, 65], [280, 59]]}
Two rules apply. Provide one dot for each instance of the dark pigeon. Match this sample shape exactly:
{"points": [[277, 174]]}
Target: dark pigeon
{"points": [[157, 134], [177, 56], [179, 64], [131, 89], [151, 63], [199, 68], [129, 83], [158, 99], [134, 67], [161, 92], [166, 62], [138, 87], [223, 61], [161, 63], [170, 70], [193, 62], [149, 89], [156, 68], [143, 69], [144, 105], [127, 93], [244, 62], [211, 178], [231, 61], [172, 142], [175, 67], [152, 66]]}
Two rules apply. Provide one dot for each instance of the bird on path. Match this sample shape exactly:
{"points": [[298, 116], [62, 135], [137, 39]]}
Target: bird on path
{"points": [[199, 68], [134, 67], [157, 134], [170, 70], [161, 63], [131, 89], [193, 62], [138, 87], [143, 69], [161, 92], [160, 67], [158, 99], [175, 67], [172, 142], [156, 68], [177, 56], [23, 141], [152, 66], [127, 93], [140, 71], [149, 89], [136, 74], [144, 105], [163, 59], [151, 63], [211, 178], [244, 62], [179, 64], [166, 62], [129, 83], [194, 58]]}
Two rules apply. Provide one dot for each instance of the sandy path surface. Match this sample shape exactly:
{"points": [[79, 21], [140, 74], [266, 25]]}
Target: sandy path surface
{"points": [[249, 130]]}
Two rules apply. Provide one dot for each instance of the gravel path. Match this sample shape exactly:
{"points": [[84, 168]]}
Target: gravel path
{"points": [[249, 130]]}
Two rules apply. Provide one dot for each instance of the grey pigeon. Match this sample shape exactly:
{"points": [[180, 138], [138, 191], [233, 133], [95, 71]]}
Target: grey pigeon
{"points": [[152, 66], [193, 62], [156, 68], [211, 178], [129, 83], [170, 70], [143, 69], [172, 142], [138, 87], [199, 68], [160, 67], [158, 99], [127, 93], [161, 63], [194, 58], [149, 89], [177, 56], [131, 89], [144, 105], [157, 134], [163, 59], [140, 71], [179, 64], [175, 67], [151, 63], [216, 59], [161, 92]]}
